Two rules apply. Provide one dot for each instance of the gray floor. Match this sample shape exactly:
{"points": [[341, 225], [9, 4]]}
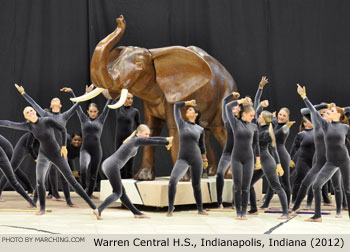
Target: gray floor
{"points": [[65, 220]]}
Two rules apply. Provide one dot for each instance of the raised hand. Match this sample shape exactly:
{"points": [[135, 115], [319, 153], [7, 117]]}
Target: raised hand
{"points": [[264, 103], [236, 95], [263, 82], [66, 89], [291, 164], [20, 89], [191, 103], [301, 91], [88, 89], [290, 123], [64, 152], [244, 101]]}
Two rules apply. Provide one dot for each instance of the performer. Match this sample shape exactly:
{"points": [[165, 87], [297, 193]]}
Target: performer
{"points": [[226, 153], [73, 146], [91, 149], [127, 118], [43, 129], [6, 151], [192, 154], [337, 156], [281, 131], [271, 166], [27, 145], [225, 158], [113, 164], [302, 153], [62, 119], [245, 135], [320, 160]]}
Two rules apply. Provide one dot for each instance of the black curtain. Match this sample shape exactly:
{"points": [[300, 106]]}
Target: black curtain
{"points": [[47, 44]]}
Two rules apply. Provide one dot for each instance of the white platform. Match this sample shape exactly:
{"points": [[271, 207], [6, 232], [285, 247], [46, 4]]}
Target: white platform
{"points": [[155, 193]]}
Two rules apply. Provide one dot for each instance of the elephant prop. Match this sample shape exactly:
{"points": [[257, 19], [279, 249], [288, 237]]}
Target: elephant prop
{"points": [[162, 77]]}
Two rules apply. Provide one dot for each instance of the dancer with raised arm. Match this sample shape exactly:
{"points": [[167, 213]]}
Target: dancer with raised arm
{"points": [[337, 156]]}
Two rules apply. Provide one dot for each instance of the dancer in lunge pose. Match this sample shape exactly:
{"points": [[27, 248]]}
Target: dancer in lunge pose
{"points": [[319, 161], [113, 164], [337, 156], [43, 129], [62, 119]]}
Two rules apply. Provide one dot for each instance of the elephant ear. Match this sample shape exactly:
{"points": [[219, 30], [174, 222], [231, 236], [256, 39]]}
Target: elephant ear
{"points": [[179, 72]]}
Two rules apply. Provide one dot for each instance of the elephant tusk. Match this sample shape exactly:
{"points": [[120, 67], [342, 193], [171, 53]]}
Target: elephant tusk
{"points": [[123, 96], [88, 96]]}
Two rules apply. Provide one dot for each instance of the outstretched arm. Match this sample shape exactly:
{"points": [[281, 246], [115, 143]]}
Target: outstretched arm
{"points": [[153, 141], [15, 125]]}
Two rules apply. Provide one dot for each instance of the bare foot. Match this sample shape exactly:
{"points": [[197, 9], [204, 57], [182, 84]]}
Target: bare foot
{"points": [[170, 213], [97, 214], [264, 208], [58, 199], [142, 216], [295, 213], [244, 218], [2, 200], [238, 218], [338, 216], [49, 196], [314, 220], [73, 205], [40, 213], [345, 208], [202, 212], [93, 197], [253, 213], [283, 217], [220, 206], [328, 204]]}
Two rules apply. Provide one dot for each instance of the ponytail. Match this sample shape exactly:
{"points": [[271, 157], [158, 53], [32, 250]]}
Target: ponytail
{"points": [[129, 137], [272, 135]]}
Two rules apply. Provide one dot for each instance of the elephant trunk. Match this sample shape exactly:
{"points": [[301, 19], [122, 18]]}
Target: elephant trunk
{"points": [[99, 62]]}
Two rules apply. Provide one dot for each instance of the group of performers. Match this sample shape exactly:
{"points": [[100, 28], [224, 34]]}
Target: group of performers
{"points": [[255, 147]]}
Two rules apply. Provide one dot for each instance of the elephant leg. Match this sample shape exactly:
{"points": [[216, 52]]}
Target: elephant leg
{"points": [[210, 153], [146, 172], [220, 135]]}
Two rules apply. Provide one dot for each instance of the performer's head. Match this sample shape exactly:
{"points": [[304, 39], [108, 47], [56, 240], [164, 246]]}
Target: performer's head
{"points": [[283, 115], [92, 110], [247, 113], [30, 114], [129, 100], [305, 124], [55, 105], [193, 114], [325, 113], [337, 114], [265, 117], [76, 139], [143, 131]]}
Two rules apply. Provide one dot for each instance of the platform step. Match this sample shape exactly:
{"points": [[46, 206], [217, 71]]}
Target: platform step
{"points": [[155, 193]]}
